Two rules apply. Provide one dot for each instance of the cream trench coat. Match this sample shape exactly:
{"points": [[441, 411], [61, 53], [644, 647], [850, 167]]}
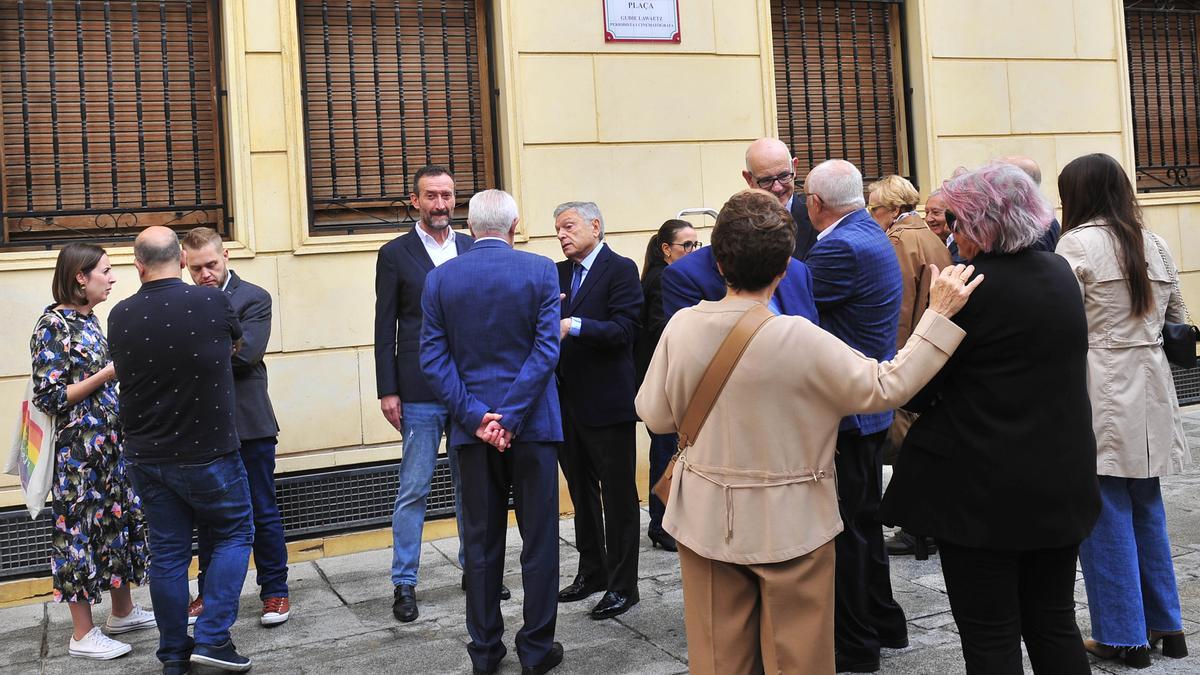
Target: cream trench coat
{"points": [[758, 486], [1135, 413]]}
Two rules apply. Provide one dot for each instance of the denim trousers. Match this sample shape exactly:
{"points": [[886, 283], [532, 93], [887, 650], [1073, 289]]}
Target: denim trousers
{"points": [[270, 548], [662, 448], [422, 426], [1127, 567], [176, 497]]}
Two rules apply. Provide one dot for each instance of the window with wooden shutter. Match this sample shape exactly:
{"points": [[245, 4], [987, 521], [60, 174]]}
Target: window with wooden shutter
{"points": [[1164, 83], [390, 86], [838, 78], [111, 120]]}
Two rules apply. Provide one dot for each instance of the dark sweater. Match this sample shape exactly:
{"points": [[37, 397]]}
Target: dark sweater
{"points": [[171, 344]]}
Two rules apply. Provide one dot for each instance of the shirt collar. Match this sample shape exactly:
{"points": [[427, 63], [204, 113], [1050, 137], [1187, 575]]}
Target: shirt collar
{"points": [[228, 278], [499, 239], [822, 233], [591, 257], [430, 241]]}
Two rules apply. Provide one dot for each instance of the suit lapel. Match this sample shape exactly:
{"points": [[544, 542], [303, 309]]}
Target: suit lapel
{"points": [[598, 270], [416, 249]]}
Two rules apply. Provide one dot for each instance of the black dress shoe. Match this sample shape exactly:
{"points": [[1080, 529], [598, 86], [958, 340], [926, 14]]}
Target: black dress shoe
{"points": [[666, 541], [843, 664], [894, 643], [404, 604], [505, 594], [613, 604], [903, 543], [579, 589], [552, 659]]}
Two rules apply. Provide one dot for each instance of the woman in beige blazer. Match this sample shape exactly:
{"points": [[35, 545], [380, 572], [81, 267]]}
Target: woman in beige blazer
{"points": [[753, 503], [1130, 287]]}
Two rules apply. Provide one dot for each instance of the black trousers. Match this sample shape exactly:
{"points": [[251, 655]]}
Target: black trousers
{"points": [[1000, 597], [600, 465], [485, 477], [864, 611]]}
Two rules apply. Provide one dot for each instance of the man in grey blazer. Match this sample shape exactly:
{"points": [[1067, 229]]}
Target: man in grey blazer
{"points": [[208, 263]]}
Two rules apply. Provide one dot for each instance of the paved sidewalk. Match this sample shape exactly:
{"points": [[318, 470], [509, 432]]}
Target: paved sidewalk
{"points": [[342, 620]]}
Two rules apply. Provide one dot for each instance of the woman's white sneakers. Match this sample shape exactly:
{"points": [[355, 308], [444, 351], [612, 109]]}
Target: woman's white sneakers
{"points": [[97, 645], [136, 620]]}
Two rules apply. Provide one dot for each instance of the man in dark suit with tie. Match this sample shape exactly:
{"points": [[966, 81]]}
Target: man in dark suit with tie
{"points": [[771, 167], [488, 348], [858, 286], [405, 398], [600, 312], [207, 262]]}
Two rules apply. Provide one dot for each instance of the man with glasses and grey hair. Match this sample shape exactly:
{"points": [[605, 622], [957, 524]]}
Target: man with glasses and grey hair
{"points": [[771, 167], [488, 346]]}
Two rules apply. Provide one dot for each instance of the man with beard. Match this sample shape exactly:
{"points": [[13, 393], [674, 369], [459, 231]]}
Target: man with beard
{"points": [[405, 398]]}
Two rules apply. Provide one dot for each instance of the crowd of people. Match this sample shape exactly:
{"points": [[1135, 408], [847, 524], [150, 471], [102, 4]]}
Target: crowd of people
{"points": [[1009, 368]]}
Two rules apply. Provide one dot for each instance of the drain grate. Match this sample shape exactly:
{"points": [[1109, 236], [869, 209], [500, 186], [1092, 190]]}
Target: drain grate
{"points": [[312, 503], [1187, 385]]}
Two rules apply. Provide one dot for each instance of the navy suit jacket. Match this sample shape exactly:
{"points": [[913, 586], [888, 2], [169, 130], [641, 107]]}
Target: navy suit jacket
{"points": [[399, 279], [694, 277], [858, 286], [255, 417], [595, 373], [489, 341], [806, 234]]}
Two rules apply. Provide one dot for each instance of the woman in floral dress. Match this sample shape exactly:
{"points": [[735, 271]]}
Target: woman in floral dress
{"points": [[99, 540]]}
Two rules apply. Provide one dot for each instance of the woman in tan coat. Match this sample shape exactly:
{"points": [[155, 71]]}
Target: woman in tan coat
{"points": [[1130, 287], [753, 503]]}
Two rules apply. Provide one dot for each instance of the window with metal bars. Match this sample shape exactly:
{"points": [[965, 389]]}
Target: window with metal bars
{"points": [[390, 86], [1164, 83], [838, 83], [111, 119]]}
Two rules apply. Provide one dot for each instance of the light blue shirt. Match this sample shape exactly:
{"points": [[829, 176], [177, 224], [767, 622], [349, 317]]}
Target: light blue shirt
{"points": [[576, 322]]}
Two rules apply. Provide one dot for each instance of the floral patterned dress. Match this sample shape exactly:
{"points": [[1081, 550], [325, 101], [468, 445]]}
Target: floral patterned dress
{"points": [[99, 539]]}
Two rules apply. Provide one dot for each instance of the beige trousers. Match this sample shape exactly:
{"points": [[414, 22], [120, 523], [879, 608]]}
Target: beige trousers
{"points": [[771, 618]]}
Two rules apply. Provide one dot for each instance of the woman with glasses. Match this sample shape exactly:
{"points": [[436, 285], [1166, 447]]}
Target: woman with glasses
{"points": [[675, 239], [1130, 288]]}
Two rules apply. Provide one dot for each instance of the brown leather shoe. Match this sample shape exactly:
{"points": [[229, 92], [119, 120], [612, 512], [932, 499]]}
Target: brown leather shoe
{"points": [[1134, 657], [195, 609], [275, 611]]}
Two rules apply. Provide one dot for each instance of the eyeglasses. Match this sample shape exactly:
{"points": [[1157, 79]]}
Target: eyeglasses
{"points": [[784, 178], [687, 245]]}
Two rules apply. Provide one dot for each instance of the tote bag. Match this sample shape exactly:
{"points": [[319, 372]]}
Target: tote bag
{"points": [[32, 454]]}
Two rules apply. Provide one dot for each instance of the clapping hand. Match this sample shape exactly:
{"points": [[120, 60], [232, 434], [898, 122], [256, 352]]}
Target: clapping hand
{"points": [[491, 432]]}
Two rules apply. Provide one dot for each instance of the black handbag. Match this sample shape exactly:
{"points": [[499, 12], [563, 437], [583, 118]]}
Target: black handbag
{"points": [[1179, 339]]}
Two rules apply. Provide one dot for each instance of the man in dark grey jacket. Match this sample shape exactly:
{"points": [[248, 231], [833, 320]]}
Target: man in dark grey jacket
{"points": [[208, 263]]}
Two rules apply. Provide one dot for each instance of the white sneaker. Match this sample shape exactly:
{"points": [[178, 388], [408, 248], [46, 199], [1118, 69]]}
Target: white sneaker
{"points": [[135, 620], [97, 645]]}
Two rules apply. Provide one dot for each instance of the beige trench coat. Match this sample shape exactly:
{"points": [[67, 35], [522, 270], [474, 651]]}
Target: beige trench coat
{"points": [[1135, 414]]}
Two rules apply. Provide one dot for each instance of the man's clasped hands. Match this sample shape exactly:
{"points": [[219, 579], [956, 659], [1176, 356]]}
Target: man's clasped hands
{"points": [[491, 432]]}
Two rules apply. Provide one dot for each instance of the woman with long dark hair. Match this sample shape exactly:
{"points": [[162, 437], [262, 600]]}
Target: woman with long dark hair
{"points": [[1130, 287], [674, 239], [99, 538]]}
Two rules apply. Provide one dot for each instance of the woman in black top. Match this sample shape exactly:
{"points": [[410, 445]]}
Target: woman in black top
{"points": [[675, 239]]}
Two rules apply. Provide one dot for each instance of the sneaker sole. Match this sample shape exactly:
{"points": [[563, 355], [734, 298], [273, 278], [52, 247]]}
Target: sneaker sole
{"points": [[275, 619], [117, 630], [218, 663], [100, 656]]}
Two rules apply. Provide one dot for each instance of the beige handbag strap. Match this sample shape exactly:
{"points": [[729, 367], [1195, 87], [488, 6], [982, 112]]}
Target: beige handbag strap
{"points": [[718, 371]]}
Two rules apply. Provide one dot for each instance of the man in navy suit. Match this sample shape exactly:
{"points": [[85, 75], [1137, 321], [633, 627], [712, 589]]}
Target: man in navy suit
{"points": [[600, 314], [488, 348], [406, 400], [857, 286], [771, 167]]}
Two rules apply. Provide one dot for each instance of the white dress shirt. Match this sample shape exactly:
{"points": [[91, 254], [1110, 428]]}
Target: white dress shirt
{"points": [[822, 233], [438, 253]]}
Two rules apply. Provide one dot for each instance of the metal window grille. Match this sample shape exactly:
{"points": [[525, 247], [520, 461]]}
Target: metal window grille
{"points": [[111, 120], [390, 86], [838, 70], [1164, 82]]}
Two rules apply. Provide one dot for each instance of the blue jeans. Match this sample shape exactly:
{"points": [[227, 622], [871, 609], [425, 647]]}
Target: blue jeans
{"points": [[422, 426], [175, 497], [1127, 566], [662, 447], [270, 549]]}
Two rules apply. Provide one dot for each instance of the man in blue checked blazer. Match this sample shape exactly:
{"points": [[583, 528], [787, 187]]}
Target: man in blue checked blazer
{"points": [[489, 346], [857, 288]]}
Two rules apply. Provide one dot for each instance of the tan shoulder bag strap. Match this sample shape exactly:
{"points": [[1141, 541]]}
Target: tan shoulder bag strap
{"points": [[718, 371]]}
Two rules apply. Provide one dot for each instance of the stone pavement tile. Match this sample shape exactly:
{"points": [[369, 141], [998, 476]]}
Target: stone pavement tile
{"points": [[918, 601], [932, 621], [618, 656], [22, 646], [136, 663], [374, 652], [659, 621], [303, 628], [1189, 596]]}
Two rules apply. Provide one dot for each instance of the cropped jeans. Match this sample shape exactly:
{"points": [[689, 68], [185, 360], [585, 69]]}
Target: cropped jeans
{"points": [[1127, 567]]}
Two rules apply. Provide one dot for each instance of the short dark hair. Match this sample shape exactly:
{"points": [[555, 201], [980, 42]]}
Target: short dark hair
{"points": [[145, 252], [74, 258], [753, 240], [431, 171]]}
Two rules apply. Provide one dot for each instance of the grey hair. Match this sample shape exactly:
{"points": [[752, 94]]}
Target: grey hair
{"points": [[586, 210], [491, 213], [838, 183], [148, 254]]}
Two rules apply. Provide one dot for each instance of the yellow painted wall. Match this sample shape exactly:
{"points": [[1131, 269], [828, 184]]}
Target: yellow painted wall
{"points": [[642, 129]]}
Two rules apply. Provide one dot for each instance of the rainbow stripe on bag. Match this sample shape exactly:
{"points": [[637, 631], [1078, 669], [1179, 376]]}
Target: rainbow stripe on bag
{"points": [[32, 435]]}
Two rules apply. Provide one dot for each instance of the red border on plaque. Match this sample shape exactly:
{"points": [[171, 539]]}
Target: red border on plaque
{"points": [[609, 37]]}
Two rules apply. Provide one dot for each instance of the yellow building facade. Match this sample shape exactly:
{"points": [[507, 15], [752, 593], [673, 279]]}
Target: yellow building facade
{"points": [[643, 129]]}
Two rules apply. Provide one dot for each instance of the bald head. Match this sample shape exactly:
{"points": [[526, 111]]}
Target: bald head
{"points": [[156, 253], [1025, 164], [769, 158]]}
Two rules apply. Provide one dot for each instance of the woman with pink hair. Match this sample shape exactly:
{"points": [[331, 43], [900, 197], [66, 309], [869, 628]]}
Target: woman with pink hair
{"points": [[1000, 467]]}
